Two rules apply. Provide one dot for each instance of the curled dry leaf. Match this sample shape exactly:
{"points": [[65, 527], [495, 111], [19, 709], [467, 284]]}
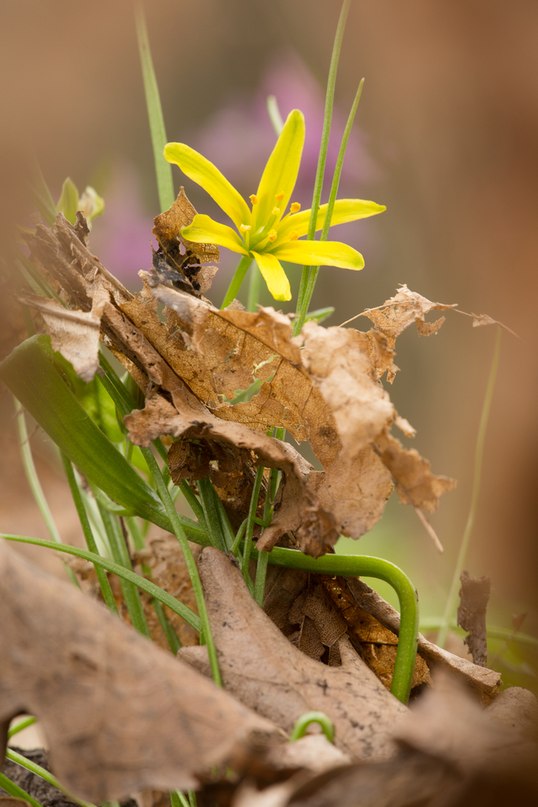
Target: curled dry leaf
{"points": [[119, 714], [182, 263], [268, 674], [322, 388], [483, 681]]}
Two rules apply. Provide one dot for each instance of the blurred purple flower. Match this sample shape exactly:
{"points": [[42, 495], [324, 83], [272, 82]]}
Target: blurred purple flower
{"points": [[239, 137]]}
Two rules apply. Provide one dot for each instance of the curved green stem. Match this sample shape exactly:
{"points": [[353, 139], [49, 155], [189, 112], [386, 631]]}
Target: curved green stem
{"points": [[237, 280], [300, 727], [366, 566]]}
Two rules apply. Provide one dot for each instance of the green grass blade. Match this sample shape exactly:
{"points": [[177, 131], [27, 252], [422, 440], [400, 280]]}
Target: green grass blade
{"points": [[126, 574], [163, 170], [29, 371], [17, 792]]}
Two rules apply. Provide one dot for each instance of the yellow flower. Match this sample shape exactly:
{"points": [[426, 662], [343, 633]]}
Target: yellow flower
{"points": [[264, 230]]}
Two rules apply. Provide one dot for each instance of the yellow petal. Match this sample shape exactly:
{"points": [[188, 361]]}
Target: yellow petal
{"points": [[280, 173], [274, 275], [208, 176], [203, 230], [319, 253], [344, 210]]}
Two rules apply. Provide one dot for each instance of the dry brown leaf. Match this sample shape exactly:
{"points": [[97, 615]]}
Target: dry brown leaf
{"points": [[118, 713], [182, 263], [415, 483], [474, 596], [262, 669], [481, 679], [323, 387], [299, 510]]}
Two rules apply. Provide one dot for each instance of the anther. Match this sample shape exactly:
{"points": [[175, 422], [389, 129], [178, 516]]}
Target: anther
{"points": [[253, 199], [295, 207]]}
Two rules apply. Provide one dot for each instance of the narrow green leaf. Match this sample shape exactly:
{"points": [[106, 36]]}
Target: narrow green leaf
{"points": [[29, 371], [163, 170], [111, 566]]}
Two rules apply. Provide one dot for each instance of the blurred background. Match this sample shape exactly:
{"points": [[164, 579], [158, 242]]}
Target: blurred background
{"points": [[446, 136]]}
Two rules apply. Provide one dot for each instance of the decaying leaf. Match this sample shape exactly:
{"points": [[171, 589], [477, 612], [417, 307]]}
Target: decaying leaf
{"points": [[322, 387], [161, 561], [262, 669], [451, 753], [119, 714], [182, 263], [474, 596], [483, 681]]}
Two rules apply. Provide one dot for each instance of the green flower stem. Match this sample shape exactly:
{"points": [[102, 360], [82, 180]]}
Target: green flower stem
{"points": [[17, 792], [237, 280], [300, 727], [120, 553], [254, 286], [310, 273], [163, 170], [43, 773], [451, 601], [102, 579], [111, 566], [365, 566], [190, 563]]}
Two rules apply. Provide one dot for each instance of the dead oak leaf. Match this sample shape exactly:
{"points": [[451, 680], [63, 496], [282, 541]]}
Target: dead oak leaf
{"points": [[415, 483], [262, 669], [119, 714]]}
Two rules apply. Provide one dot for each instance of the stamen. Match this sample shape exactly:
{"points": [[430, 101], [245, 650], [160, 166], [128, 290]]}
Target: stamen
{"points": [[253, 199], [245, 228], [293, 236], [275, 211], [279, 197], [295, 207], [271, 236]]}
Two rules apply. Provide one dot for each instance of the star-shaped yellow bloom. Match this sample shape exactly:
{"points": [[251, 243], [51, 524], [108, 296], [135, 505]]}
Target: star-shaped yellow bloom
{"points": [[265, 231]]}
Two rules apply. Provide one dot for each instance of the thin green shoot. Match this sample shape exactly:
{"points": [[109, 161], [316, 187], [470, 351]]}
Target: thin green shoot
{"points": [[306, 720], [120, 553], [17, 791], [43, 773], [115, 568], [102, 579], [451, 601], [32, 475], [309, 273], [23, 724], [190, 563], [163, 171], [249, 532]]}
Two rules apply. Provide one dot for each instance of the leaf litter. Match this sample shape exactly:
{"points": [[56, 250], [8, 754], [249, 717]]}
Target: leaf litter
{"points": [[193, 363]]}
